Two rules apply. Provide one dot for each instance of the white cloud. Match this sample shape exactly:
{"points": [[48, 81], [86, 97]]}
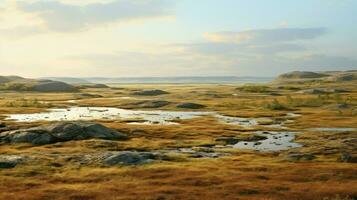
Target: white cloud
{"points": [[266, 35], [65, 17]]}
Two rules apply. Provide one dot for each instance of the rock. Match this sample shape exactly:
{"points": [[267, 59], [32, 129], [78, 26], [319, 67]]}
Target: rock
{"points": [[99, 86], [348, 158], [338, 106], [10, 161], [293, 157], [205, 155], [190, 106], [147, 104], [345, 77], [61, 132], [131, 158], [150, 93], [87, 95], [2, 125], [323, 91], [313, 91], [228, 140]]}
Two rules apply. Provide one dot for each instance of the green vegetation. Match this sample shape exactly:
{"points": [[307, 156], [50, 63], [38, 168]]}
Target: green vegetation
{"points": [[255, 89], [28, 103]]}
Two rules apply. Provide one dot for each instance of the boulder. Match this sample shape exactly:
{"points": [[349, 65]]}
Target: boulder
{"points": [[60, 132], [10, 161], [190, 106], [228, 140], [98, 85], [87, 95], [294, 157], [131, 158], [150, 93], [348, 158], [147, 104]]}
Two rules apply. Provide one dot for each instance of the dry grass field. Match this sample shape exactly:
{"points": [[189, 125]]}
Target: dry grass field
{"points": [[54, 173]]}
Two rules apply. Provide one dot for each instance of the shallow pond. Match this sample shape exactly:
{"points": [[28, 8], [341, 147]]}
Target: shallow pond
{"points": [[333, 129], [276, 141], [97, 113], [138, 117]]}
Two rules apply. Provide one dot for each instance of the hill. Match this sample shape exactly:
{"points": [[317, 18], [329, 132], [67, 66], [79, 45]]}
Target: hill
{"points": [[17, 83]]}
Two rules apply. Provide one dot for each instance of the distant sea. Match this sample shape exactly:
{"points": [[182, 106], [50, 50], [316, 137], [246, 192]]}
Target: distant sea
{"points": [[163, 80]]}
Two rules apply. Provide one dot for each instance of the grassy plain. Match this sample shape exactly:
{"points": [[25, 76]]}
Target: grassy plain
{"points": [[243, 175]]}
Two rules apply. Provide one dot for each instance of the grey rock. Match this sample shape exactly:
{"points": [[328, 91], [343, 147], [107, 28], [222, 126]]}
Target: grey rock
{"points": [[147, 104], [228, 140], [150, 93], [190, 106], [10, 161], [348, 158], [88, 95], [131, 158], [61, 132], [293, 157]]}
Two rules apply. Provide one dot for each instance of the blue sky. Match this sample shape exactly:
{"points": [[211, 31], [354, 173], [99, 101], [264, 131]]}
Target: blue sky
{"points": [[176, 37]]}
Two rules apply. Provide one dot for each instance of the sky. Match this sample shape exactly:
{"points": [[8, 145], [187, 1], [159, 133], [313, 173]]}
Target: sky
{"points": [[134, 38]]}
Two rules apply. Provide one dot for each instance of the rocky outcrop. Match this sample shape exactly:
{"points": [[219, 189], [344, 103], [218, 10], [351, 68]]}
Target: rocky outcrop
{"points": [[323, 91], [150, 93], [228, 140], [10, 161], [352, 76], [190, 106], [147, 104], [88, 95], [132, 158], [348, 158], [61, 132], [97, 86], [242, 138], [294, 157]]}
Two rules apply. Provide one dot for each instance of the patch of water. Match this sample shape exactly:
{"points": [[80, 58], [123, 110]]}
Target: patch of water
{"points": [[97, 113], [276, 141], [251, 122], [333, 129], [136, 117]]}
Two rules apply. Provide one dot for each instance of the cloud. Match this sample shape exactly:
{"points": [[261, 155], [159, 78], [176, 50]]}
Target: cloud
{"points": [[255, 43], [20, 31], [64, 17], [266, 35]]}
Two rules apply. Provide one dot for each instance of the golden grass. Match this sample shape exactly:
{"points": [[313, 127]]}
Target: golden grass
{"points": [[243, 175]]}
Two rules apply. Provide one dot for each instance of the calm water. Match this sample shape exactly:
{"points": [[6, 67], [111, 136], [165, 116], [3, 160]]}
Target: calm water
{"points": [[97, 113], [276, 141], [333, 129]]}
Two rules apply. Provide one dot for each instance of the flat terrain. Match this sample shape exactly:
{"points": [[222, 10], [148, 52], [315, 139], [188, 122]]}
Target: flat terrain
{"points": [[323, 168]]}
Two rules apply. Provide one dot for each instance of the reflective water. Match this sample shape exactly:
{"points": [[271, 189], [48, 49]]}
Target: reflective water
{"points": [[138, 117], [333, 129], [97, 113], [276, 141]]}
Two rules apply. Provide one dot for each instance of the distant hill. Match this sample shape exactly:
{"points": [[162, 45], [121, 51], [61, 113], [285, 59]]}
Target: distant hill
{"points": [[17, 83], [148, 80], [69, 80], [6, 79], [301, 76]]}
